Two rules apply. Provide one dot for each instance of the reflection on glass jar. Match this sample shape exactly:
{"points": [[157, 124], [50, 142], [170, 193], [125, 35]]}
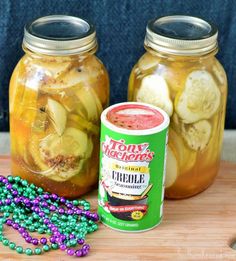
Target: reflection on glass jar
{"points": [[57, 93], [180, 74]]}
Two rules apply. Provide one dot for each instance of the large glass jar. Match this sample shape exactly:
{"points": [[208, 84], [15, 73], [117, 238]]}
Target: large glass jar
{"points": [[57, 93], [180, 73]]}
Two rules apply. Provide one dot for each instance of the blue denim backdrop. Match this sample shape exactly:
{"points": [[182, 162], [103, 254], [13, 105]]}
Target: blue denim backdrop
{"points": [[120, 28]]}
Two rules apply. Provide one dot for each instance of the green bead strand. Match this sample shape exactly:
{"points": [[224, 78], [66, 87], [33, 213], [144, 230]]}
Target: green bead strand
{"points": [[5, 242], [38, 251], [28, 251], [54, 246], [19, 249], [12, 245], [46, 248], [66, 224]]}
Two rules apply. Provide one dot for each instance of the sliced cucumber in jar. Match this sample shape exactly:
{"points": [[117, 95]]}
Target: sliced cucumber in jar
{"points": [[57, 115], [68, 174], [27, 107], [200, 98], [41, 120], [172, 168], [78, 140], [17, 88], [186, 157], [148, 61], [197, 135], [78, 121], [89, 150], [39, 160], [98, 102], [79, 76], [89, 102], [60, 157], [211, 154], [71, 78], [154, 90], [218, 70], [53, 69]]}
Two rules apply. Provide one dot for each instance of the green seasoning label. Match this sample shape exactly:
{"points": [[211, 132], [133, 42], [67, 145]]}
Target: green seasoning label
{"points": [[131, 179]]}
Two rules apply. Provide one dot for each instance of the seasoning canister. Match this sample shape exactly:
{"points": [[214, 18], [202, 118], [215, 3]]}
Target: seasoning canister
{"points": [[132, 166]]}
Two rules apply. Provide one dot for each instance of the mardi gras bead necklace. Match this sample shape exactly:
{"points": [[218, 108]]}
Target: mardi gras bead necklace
{"points": [[26, 208]]}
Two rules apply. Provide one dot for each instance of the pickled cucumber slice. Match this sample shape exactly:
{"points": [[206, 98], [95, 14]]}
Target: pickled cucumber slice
{"points": [[35, 77], [68, 99], [154, 90], [197, 135], [65, 175], [27, 108], [27, 159], [147, 61], [72, 104], [82, 112], [176, 120], [79, 140], [41, 120], [69, 173], [84, 124], [16, 90], [219, 72], [72, 142], [87, 98], [210, 156], [89, 148], [51, 68], [74, 77], [39, 160], [98, 102], [175, 77], [186, 157], [59, 156], [200, 98], [57, 115], [85, 72], [172, 168]]}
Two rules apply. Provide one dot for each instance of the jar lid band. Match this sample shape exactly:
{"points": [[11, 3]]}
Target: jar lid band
{"points": [[59, 35], [181, 35]]}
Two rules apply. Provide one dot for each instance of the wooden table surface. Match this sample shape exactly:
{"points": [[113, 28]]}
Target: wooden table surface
{"points": [[199, 228]]}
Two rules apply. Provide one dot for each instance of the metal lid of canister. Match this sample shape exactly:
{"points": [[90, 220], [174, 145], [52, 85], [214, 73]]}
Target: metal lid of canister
{"points": [[181, 35], [59, 35], [163, 125]]}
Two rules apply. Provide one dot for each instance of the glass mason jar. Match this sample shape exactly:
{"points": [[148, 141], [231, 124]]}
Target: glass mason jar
{"points": [[180, 74], [57, 93]]}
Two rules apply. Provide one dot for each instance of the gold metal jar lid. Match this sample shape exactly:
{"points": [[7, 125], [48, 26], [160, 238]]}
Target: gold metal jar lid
{"points": [[59, 35], [181, 35]]}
